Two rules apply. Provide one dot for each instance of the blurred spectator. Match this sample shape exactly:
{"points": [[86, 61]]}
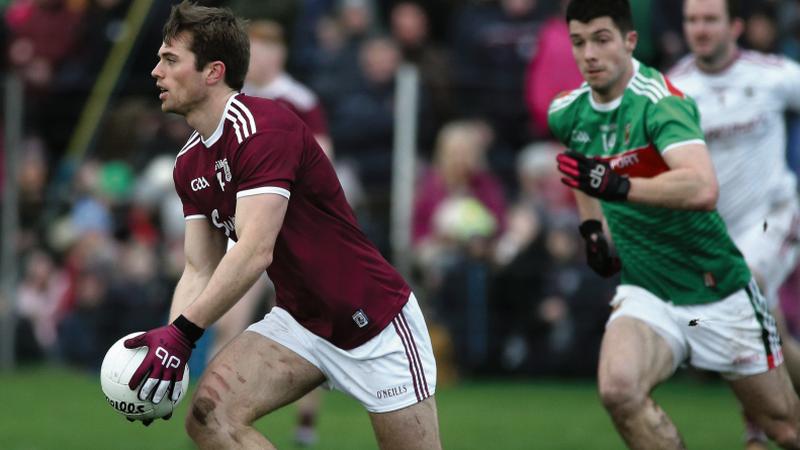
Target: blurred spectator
{"points": [[553, 54], [341, 39], [761, 31], [42, 38], [458, 171], [303, 36], [410, 28], [492, 44], [267, 77], [90, 327], [33, 176], [458, 211], [41, 291], [362, 123], [540, 182]]}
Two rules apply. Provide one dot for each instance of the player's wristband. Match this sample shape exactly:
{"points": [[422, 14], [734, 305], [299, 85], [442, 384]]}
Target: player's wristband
{"points": [[189, 329], [590, 227]]}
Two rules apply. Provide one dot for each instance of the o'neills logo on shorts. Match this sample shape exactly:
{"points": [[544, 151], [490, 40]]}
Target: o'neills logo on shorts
{"points": [[391, 392]]}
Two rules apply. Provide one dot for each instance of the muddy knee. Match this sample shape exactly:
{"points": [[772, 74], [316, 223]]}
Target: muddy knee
{"points": [[621, 395], [202, 418]]}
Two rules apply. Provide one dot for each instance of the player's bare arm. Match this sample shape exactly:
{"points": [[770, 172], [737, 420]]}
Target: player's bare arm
{"points": [[588, 207], [203, 249], [258, 221], [690, 183]]}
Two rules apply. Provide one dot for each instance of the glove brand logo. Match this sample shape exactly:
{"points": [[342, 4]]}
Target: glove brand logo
{"points": [[167, 360], [596, 176]]}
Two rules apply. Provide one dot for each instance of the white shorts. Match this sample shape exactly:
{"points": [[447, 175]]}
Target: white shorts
{"points": [[772, 252], [393, 370], [735, 336]]}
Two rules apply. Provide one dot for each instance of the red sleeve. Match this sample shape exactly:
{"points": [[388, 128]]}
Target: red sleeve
{"points": [[315, 119], [268, 159], [189, 208]]}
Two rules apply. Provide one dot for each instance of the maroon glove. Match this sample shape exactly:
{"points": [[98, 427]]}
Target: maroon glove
{"points": [[168, 350], [592, 176]]}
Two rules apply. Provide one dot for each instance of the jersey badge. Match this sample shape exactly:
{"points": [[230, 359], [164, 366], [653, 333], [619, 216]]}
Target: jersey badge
{"points": [[627, 136], [223, 172], [609, 136], [360, 318]]}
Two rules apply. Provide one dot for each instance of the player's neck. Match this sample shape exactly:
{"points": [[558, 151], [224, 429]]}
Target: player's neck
{"points": [[206, 116], [720, 63]]}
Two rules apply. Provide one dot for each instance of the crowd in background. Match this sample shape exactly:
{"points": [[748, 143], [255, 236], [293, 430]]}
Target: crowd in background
{"points": [[498, 263]]}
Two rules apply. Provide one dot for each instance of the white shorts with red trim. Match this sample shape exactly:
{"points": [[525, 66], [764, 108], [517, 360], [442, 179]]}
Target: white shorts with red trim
{"points": [[391, 371], [735, 336], [771, 248]]}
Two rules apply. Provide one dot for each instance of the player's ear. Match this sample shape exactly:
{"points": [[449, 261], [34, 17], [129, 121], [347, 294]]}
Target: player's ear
{"points": [[631, 38], [215, 72]]}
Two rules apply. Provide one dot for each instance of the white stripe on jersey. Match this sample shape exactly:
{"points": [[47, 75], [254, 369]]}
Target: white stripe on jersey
{"points": [[682, 143], [648, 88], [263, 190], [654, 84], [195, 217], [246, 112], [563, 102], [239, 123], [193, 140], [643, 93], [239, 136]]}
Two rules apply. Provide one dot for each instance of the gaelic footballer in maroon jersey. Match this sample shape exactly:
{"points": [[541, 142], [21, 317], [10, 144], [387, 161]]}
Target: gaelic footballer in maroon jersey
{"points": [[327, 274], [253, 172]]}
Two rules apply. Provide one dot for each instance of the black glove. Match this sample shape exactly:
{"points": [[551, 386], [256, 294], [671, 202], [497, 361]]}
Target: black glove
{"points": [[592, 176], [598, 256]]}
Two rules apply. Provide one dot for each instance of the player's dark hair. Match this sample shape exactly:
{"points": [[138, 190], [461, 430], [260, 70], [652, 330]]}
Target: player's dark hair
{"points": [[585, 11], [216, 35]]}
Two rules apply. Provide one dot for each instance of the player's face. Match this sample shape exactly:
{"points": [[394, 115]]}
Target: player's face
{"points": [[603, 55], [181, 86], [710, 33]]}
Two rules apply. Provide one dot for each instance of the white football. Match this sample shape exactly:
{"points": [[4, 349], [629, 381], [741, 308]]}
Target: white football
{"points": [[118, 367]]}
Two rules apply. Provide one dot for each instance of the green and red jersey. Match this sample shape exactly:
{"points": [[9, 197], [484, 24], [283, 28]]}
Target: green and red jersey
{"points": [[685, 257]]}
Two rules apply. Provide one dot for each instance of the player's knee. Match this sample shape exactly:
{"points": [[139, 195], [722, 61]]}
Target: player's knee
{"points": [[203, 418], [785, 433], [621, 394]]}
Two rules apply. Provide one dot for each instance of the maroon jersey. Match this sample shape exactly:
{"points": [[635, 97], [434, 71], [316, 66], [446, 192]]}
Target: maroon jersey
{"points": [[295, 96], [327, 275]]}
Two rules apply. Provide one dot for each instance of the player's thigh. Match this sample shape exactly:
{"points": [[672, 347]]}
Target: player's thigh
{"points": [[251, 377], [768, 396], [410, 428], [633, 355]]}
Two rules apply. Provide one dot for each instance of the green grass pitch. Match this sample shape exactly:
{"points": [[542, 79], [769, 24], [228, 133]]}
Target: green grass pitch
{"points": [[47, 408]]}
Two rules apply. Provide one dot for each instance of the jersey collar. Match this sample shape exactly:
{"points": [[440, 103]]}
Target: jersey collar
{"points": [[220, 126], [613, 104]]}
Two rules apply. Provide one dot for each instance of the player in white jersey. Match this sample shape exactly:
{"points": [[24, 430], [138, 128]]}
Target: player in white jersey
{"points": [[742, 97]]}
